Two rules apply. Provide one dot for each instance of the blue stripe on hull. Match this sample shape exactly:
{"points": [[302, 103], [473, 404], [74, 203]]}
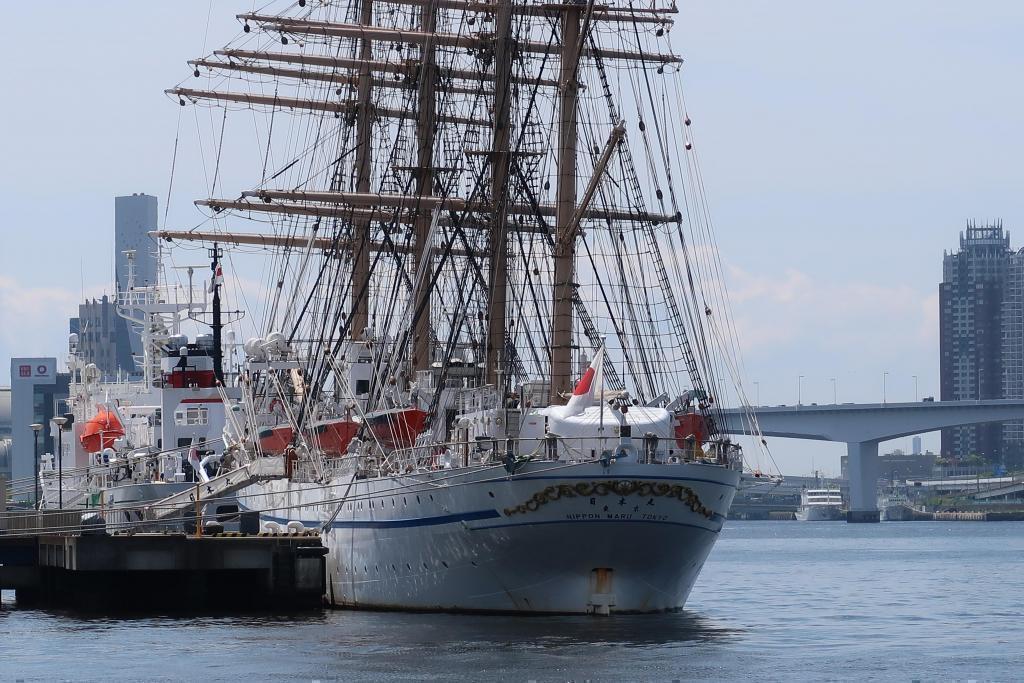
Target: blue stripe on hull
{"points": [[594, 521], [628, 477], [395, 523]]}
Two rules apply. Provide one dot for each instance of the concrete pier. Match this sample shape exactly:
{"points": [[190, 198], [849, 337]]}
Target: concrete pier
{"points": [[165, 571], [862, 465]]}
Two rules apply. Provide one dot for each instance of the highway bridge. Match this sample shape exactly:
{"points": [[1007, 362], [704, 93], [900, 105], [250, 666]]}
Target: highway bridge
{"points": [[862, 426]]}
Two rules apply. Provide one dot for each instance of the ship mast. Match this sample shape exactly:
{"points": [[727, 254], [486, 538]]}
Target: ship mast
{"points": [[218, 326], [425, 132], [565, 206], [500, 159], [364, 152], [452, 78]]}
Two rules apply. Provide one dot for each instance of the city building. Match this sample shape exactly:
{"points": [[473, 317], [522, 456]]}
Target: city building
{"points": [[898, 465], [5, 432], [103, 338], [134, 217], [981, 337], [916, 445], [37, 395]]}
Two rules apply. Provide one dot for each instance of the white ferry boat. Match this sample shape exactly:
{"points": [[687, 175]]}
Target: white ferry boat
{"points": [[821, 505]]}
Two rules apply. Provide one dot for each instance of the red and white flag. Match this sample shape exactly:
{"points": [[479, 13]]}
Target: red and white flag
{"points": [[590, 387], [218, 278], [193, 456]]}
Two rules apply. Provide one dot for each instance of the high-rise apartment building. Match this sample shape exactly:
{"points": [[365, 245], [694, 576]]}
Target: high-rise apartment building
{"points": [[981, 340]]}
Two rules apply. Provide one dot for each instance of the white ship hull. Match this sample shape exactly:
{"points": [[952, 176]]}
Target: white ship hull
{"points": [[820, 513], [554, 538]]}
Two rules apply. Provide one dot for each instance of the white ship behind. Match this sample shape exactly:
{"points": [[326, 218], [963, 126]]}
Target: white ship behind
{"points": [[821, 505]]}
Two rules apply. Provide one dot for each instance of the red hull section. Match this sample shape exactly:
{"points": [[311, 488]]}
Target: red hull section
{"points": [[334, 436], [690, 426], [274, 440], [397, 428]]}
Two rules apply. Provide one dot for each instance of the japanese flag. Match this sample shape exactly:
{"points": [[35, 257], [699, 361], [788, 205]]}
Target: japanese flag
{"points": [[589, 389]]}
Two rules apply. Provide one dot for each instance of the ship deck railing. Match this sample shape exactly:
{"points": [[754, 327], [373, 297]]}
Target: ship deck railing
{"points": [[486, 452]]}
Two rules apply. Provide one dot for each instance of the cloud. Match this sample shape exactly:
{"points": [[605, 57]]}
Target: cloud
{"points": [[792, 310], [34, 320]]}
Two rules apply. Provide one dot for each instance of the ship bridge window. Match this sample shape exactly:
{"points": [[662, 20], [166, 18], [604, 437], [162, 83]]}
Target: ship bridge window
{"points": [[192, 416]]}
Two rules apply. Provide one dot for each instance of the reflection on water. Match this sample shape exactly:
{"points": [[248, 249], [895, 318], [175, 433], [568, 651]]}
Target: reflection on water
{"points": [[775, 601]]}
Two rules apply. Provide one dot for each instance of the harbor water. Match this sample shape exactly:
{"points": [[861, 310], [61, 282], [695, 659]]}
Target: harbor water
{"points": [[776, 601]]}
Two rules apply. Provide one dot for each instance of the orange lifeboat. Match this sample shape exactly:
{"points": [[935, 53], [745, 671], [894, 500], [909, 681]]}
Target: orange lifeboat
{"points": [[101, 431], [398, 427], [274, 440], [335, 435]]}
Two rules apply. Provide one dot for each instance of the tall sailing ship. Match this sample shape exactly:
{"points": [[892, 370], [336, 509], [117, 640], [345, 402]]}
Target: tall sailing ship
{"points": [[494, 341]]}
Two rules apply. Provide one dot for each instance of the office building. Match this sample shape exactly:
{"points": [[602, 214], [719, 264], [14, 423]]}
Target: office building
{"points": [[981, 340], [38, 393], [103, 338], [134, 217], [916, 447]]}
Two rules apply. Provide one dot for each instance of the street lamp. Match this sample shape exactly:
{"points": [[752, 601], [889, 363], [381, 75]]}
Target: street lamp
{"points": [[799, 389], [60, 422], [36, 428], [884, 376], [915, 388], [835, 392]]}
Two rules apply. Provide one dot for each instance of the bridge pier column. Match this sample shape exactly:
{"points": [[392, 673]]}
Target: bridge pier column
{"points": [[862, 469]]}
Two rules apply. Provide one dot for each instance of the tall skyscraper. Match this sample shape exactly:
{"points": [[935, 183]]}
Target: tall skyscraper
{"points": [[104, 337], [134, 217], [981, 340], [916, 448]]}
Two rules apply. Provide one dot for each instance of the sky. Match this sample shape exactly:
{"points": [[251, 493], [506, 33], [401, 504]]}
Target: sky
{"points": [[844, 145]]}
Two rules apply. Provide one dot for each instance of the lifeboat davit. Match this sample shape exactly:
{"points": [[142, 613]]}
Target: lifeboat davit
{"points": [[101, 431], [398, 427], [334, 436]]}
